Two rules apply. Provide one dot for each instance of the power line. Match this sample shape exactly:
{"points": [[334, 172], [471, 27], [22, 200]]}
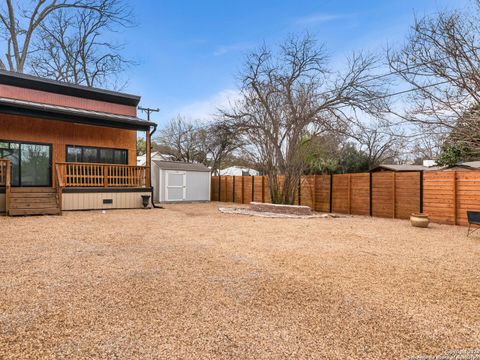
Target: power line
{"points": [[148, 111]]}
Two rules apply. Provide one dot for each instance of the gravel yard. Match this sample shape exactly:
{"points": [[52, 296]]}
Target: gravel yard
{"points": [[189, 282]]}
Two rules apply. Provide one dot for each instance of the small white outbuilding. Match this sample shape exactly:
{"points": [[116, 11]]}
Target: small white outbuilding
{"points": [[175, 181]]}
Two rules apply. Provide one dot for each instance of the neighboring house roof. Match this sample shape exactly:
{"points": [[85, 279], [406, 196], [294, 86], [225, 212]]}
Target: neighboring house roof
{"points": [[465, 166], [58, 87], [62, 113], [181, 166], [475, 165], [142, 159], [238, 171], [399, 168]]}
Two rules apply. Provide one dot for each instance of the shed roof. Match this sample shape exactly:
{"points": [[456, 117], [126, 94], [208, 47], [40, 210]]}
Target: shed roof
{"points": [[181, 166], [63, 113]]}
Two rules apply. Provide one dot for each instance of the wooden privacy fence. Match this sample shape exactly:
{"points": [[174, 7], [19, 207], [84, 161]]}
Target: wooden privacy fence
{"points": [[444, 196]]}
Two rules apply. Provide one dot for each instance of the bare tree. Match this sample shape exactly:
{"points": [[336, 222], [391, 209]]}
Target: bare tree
{"points": [[288, 93], [20, 25], [441, 62], [191, 141], [217, 142], [71, 46], [380, 141], [182, 138]]}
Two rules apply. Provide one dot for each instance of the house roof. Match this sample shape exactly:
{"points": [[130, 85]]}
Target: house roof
{"points": [[181, 166], [470, 164], [63, 113], [391, 167], [58, 87]]}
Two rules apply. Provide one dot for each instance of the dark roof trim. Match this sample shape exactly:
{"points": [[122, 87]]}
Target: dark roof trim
{"points": [[181, 166], [52, 112], [58, 87]]}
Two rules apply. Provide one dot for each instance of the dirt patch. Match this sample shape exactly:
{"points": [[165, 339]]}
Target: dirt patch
{"points": [[191, 282]]}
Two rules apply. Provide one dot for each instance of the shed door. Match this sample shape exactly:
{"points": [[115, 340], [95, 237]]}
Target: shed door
{"points": [[175, 185]]}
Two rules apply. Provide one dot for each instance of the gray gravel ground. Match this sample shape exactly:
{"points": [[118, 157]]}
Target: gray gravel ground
{"points": [[189, 282]]}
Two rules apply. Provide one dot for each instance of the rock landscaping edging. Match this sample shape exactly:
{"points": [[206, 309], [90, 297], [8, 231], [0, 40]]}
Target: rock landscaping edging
{"points": [[250, 212], [298, 210]]}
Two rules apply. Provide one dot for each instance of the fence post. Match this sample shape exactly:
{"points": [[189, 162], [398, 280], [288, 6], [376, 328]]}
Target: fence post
{"points": [[243, 189], [253, 188], [371, 193], [394, 185], [219, 186], [314, 200], [300, 190], [349, 193], [421, 191], [455, 198], [263, 188], [331, 192], [233, 190]]}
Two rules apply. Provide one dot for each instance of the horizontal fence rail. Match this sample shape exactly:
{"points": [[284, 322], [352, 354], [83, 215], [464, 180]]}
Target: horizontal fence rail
{"points": [[100, 175], [444, 195]]}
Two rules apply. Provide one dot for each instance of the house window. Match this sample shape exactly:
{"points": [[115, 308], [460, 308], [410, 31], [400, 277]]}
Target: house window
{"points": [[30, 162], [88, 154]]}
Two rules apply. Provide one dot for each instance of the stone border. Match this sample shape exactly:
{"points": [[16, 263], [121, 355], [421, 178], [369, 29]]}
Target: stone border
{"points": [[298, 210], [249, 212]]}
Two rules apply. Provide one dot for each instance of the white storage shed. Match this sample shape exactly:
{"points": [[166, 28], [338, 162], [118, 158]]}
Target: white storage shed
{"points": [[175, 181]]}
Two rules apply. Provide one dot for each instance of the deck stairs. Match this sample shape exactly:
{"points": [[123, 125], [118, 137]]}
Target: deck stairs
{"points": [[33, 201]]}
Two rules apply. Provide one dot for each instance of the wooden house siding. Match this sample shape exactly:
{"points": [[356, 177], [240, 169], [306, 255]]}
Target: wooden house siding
{"points": [[44, 97], [59, 134]]}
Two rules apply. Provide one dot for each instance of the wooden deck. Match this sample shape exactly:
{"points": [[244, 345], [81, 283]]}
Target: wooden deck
{"points": [[48, 200]]}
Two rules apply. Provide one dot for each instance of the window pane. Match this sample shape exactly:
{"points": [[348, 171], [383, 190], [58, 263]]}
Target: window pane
{"points": [[121, 157], [90, 155], [106, 156], [74, 154], [35, 165]]}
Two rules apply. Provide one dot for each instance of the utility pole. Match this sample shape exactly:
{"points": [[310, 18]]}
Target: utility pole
{"points": [[148, 111], [148, 148]]}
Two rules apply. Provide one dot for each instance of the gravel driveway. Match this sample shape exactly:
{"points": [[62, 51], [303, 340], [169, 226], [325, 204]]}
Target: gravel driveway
{"points": [[189, 282]]}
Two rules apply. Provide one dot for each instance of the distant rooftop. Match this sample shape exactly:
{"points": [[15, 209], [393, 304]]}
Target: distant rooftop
{"points": [[399, 168]]}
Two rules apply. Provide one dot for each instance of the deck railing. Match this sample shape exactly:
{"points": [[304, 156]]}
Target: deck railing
{"points": [[5, 174], [4, 165], [100, 175]]}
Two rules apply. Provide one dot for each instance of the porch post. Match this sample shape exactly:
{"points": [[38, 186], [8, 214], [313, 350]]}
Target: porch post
{"points": [[148, 157]]}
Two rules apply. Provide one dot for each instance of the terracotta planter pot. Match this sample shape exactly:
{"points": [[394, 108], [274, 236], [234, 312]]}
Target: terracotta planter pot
{"points": [[419, 220]]}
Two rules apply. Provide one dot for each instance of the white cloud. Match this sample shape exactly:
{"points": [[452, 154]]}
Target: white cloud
{"points": [[206, 109], [316, 19], [224, 49]]}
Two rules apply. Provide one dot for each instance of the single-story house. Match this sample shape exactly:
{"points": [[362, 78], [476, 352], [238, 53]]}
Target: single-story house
{"points": [[68, 147], [465, 166], [156, 155], [175, 181], [461, 166], [238, 171], [404, 168]]}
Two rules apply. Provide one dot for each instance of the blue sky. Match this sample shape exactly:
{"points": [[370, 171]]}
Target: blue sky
{"points": [[189, 52]]}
